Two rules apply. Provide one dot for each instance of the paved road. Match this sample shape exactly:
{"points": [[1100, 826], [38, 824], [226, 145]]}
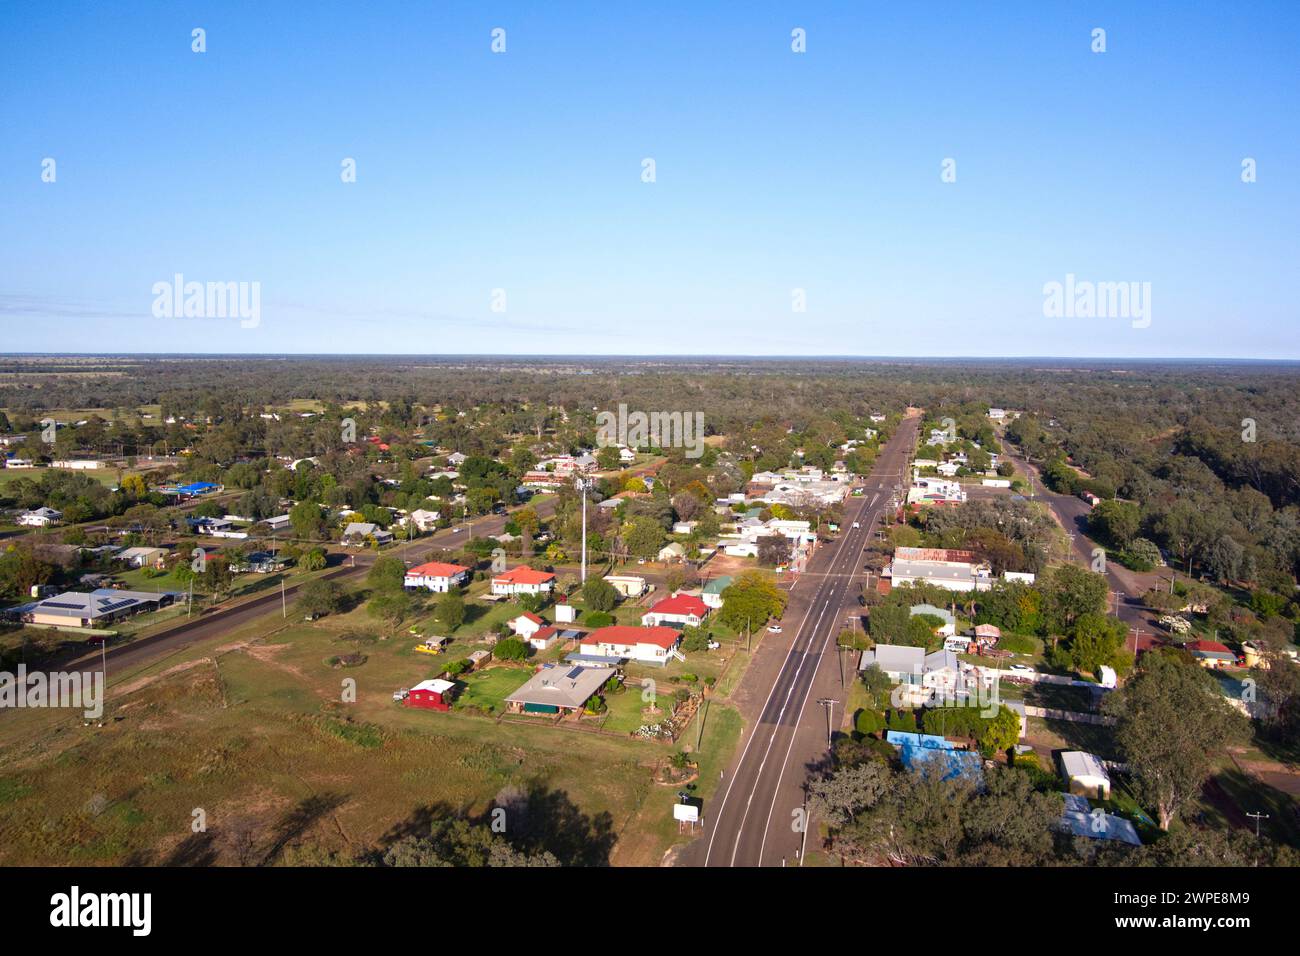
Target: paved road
{"points": [[224, 621], [1072, 512], [752, 823]]}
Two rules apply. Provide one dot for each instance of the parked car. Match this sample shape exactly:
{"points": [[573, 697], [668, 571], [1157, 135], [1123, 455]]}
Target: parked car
{"points": [[1021, 669], [774, 629], [401, 695]]}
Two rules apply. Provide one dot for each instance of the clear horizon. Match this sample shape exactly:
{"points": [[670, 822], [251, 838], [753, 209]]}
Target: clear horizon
{"points": [[515, 179]]}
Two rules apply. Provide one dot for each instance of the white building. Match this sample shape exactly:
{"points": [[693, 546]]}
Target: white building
{"points": [[1085, 774], [423, 519], [40, 518], [437, 576]]}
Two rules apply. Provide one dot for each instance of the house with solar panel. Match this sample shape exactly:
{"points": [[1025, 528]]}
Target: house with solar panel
{"points": [[558, 689], [98, 608]]}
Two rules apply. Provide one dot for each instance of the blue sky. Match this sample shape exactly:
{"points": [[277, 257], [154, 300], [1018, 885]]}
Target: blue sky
{"points": [[775, 171]]}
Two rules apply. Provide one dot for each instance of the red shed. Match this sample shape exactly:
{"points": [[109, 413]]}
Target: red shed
{"points": [[431, 695]]}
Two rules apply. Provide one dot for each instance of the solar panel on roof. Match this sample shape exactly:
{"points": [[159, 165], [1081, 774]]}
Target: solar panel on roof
{"points": [[575, 672]]}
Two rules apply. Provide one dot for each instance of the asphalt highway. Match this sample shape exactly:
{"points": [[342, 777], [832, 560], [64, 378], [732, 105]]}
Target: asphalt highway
{"points": [[758, 819]]}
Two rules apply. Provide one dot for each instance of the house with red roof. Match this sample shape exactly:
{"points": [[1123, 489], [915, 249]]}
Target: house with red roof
{"points": [[526, 624], [646, 645], [1211, 654], [523, 580], [683, 610], [542, 638], [438, 576]]}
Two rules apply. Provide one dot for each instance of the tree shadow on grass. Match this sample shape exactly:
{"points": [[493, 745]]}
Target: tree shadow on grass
{"points": [[535, 821], [297, 821]]}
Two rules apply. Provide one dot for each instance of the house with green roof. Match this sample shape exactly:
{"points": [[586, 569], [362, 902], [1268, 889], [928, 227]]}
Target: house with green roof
{"points": [[713, 588]]}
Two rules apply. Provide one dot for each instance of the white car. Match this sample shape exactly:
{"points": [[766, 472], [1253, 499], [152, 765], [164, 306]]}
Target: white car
{"points": [[857, 524], [457, 530], [1021, 669], [774, 629]]}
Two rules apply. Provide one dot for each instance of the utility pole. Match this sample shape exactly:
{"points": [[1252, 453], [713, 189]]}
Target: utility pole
{"points": [[1257, 817], [829, 704], [284, 608], [584, 484]]}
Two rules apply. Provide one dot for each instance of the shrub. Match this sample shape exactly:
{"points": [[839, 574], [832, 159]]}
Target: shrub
{"points": [[511, 649], [902, 720], [598, 619], [868, 723]]}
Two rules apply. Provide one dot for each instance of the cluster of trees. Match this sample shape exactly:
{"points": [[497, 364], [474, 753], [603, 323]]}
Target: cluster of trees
{"points": [[1066, 605], [1172, 729], [750, 601]]}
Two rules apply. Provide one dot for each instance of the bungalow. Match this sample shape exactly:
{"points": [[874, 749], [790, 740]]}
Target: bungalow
{"points": [[923, 675], [143, 557], [260, 562], [543, 638], [431, 695], [523, 580], [1078, 818], [526, 624], [278, 523], [628, 585], [357, 532], [19, 463], [921, 751], [95, 608], [935, 491], [437, 576], [648, 645], [423, 519], [40, 518], [683, 610], [1085, 774], [456, 459], [1211, 654], [671, 552], [559, 689], [713, 588]]}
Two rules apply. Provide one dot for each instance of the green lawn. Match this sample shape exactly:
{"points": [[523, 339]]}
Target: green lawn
{"points": [[486, 690], [625, 711]]}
